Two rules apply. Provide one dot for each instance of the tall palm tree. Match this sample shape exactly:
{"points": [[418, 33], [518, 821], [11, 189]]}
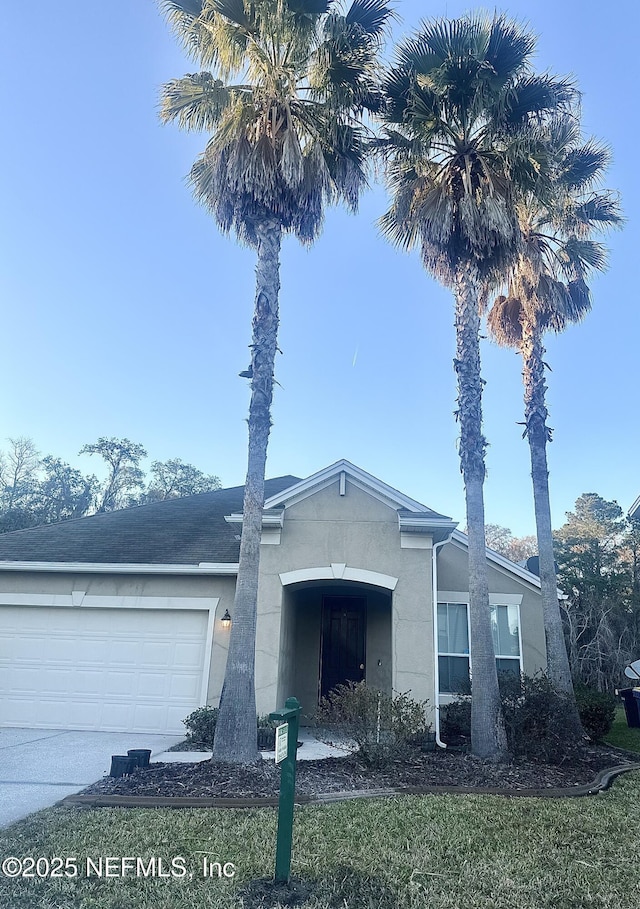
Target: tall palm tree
{"points": [[547, 291], [283, 106], [461, 99]]}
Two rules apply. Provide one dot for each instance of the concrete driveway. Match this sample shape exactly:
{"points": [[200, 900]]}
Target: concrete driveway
{"points": [[38, 767]]}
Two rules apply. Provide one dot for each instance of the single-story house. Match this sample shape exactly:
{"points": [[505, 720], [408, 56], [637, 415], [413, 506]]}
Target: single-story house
{"points": [[117, 621]]}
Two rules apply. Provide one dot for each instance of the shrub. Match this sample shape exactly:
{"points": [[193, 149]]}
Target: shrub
{"points": [[455, 721], [201, 726], [383, 726], [597, 711], [534, 715]]}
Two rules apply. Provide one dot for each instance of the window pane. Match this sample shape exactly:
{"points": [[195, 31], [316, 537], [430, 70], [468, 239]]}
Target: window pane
{"points": [[510, 666], [454, 674], [458, 628], [504, 624], [443, 628]]}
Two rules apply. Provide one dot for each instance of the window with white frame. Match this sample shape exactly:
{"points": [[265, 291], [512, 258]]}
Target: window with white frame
{"points": [[453, 644]]}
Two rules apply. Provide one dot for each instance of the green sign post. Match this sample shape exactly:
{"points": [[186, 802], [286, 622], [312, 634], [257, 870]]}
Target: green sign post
{"points": [[289, 714]]}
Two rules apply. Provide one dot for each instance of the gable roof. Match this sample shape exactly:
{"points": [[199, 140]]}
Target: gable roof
{"points": [[185, 531], [502, 563], [413, 517], [360, 478]]}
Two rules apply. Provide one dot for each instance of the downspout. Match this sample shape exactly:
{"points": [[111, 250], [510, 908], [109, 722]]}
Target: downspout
{"points": [[436, 667]]}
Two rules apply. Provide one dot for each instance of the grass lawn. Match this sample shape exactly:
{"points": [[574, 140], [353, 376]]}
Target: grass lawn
{"points": [[449, 852], [621, 735]]}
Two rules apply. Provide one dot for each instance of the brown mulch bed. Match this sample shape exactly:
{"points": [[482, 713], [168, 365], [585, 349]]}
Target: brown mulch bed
{"points": [[205, 779]]}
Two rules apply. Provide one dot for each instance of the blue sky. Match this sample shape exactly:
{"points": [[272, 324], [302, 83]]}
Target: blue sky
{"points": [[126, 313]]}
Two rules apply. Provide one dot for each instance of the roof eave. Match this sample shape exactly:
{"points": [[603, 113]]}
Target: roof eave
{"points": [[202, 568]]}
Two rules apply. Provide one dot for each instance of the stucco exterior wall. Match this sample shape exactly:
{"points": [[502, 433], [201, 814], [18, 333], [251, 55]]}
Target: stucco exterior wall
{"points": [[361, 532], [453, 571]]}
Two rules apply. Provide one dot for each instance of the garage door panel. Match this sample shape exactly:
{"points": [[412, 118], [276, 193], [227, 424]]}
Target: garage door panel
{"points": [[112, 669], [156, 654], [182, 686], [26, 679], [125, 652], [30, 649], [188, 653], [153, 684], [120, 683], [91, 683]]}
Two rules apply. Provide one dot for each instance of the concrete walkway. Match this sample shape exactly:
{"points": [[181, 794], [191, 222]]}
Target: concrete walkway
{"points": [[38, 767], [310, 750]]}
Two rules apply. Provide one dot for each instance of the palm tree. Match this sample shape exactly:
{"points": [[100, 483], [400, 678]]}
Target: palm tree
{"points": [[547, 291], [286, 138], [460, 103]]}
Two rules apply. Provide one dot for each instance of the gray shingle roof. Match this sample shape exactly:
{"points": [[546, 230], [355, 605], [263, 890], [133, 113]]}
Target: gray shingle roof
{"points": [[182, 531]]}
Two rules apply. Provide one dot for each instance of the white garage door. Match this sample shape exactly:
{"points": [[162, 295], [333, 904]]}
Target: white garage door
{"points": [[102, 669]]}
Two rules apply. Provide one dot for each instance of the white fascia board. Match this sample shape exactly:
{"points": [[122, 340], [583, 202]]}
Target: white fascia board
{"points": [[79, 598], [503, 564], [423, 523], [204, 568], [634, 511], [358, 477], [268, 520]]}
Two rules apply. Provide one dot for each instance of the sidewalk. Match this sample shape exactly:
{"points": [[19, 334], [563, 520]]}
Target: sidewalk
{"points": [[310, 750]]}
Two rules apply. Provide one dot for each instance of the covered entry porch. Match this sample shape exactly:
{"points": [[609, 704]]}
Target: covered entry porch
{"points": [[333, 632]]}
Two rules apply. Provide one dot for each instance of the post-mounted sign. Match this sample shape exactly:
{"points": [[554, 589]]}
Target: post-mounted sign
{"points": [[286, 753], [282, 741]]}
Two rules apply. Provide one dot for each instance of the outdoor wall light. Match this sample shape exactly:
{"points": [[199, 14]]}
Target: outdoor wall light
{"points": [[226, 620]]}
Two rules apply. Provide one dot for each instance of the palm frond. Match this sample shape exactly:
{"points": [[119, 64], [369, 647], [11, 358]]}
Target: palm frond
{"points": [[583, 256], [310, 7], [398, 231], [182, 8], [533, 97], [291, 159], [599, 210], [196, 101], [509, 48], [396, 88], [580, 297], [426, 50], [583, 165], [233, 10], [504, 321], [369, 15]]}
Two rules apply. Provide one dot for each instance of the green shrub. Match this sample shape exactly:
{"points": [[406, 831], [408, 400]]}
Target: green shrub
{"points": [[455, 721], [597, 711], [201, 726], [534, 716], [534, 713], [383, 726]]}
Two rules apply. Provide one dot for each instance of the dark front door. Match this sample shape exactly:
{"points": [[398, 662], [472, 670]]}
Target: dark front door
{"points": [[343, 636]]}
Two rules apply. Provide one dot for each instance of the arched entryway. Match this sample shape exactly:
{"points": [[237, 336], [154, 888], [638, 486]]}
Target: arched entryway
{"points": [[333, 631]]}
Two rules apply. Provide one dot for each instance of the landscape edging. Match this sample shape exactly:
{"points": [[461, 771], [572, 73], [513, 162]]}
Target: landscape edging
{"points": [[601, 782]]}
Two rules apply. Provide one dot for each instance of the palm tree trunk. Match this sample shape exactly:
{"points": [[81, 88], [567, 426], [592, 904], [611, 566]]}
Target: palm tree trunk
{"points": [[538, 434], [488, 738], [236, 732]]}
